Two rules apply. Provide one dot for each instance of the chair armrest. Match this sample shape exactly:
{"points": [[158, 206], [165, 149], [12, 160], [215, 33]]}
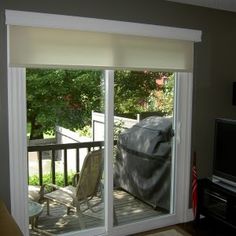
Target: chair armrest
{"points": [[63, 189], [53, 186]]}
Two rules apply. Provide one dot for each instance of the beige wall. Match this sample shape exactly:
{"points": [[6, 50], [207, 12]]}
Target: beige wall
{"points": [[214, 61]]}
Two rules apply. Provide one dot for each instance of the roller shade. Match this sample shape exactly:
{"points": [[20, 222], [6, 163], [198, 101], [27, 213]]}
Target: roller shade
{"points": [[44, 47]]}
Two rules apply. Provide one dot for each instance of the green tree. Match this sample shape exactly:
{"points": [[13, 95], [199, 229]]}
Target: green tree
{"points": [[165, 96], [132, 90], [67, 97], [61, 97]]}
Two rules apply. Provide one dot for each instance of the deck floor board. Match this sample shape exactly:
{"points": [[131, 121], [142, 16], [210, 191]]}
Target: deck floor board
{"points": [[127, 209]]}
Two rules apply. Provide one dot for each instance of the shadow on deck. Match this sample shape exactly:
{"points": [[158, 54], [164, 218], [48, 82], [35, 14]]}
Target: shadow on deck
{"points": [[128, 209]]}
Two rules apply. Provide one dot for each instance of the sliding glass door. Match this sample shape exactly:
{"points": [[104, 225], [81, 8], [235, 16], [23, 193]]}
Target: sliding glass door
{"points": [[143, 155], [117, 198], [65, 136], [134, 152]]}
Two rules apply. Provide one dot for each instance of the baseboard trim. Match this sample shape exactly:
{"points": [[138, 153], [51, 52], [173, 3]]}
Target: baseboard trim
{"points": [[189, 215]]}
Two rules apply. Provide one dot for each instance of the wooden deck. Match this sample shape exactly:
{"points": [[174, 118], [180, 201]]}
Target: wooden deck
{"points": [[127, 208]]}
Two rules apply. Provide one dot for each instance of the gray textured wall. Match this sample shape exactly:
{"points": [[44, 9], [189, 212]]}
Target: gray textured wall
{"points": [[214, 61]]}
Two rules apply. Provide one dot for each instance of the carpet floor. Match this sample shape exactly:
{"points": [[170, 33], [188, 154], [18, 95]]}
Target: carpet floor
{"points": [[167, 231]]}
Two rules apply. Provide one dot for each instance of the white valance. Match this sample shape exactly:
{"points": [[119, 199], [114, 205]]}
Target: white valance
{"points": [[39, 45]]}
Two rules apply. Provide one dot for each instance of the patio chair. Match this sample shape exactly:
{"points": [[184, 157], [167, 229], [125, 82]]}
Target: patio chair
{"points": [[87, 184]]}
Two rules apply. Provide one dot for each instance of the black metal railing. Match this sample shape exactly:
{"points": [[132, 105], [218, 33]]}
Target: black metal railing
{"points": [[53, 149]]}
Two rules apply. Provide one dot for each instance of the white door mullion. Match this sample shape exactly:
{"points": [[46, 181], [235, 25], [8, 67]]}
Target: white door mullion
{"points": [[174, 156], [183, 145], [109, 120]]}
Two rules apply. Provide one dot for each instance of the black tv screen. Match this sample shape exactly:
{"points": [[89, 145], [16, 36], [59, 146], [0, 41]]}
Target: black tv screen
{"points": [[225, 150]]}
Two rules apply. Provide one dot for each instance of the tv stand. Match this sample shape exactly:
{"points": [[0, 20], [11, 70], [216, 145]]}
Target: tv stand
{"points": [[216, 202], [225, 185]]}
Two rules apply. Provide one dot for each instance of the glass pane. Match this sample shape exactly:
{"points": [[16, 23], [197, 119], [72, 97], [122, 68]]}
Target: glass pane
{"points": [[144, 108], [65, 116]]}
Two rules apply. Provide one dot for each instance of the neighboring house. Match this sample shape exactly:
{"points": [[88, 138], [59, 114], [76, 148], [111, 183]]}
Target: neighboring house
{"points": [[214, 63]]}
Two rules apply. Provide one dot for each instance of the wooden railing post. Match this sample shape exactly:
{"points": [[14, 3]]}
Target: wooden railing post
{"points": [[65, 168], [77, 160], [40, 156], [53, 167], [55, 147]]}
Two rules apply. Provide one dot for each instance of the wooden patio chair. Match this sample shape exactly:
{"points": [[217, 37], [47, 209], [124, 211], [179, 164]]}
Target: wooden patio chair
{"points": [[87, 185]]}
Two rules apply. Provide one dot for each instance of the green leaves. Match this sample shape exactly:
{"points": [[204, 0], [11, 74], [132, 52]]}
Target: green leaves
{"points": [[132, 89], [67, 97], [61, 97], [47, 178], [165, 96], [138, 91]]}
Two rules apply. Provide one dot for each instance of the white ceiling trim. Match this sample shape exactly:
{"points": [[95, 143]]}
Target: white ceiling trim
{"points": [[227, 5]]}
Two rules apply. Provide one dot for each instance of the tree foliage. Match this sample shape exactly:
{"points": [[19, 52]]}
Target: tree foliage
{"points": [[132, 89], [67, 97], [61, 97], [165, 96]]}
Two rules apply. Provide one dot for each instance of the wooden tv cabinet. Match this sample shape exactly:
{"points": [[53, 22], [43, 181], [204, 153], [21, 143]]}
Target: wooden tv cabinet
{"points": [[216, 202]]}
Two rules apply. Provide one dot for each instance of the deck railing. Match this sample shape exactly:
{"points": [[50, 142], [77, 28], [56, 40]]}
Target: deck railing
{"points": [[53, 148]]}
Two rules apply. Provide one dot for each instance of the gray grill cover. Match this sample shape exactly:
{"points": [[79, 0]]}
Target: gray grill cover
{"points": [[143, 161]]}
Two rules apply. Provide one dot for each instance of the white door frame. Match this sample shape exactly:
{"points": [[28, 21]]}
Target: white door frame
{"points": [[17, 126], [18, 147], [17, 139]]}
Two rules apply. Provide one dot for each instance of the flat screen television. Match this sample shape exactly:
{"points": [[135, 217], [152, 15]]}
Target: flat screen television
{"points": [[224, 165]]}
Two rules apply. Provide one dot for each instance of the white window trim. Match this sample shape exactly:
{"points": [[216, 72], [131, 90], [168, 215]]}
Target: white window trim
{"points": [[17, 127], [18, 144], [109, 121], [33, 19]]}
